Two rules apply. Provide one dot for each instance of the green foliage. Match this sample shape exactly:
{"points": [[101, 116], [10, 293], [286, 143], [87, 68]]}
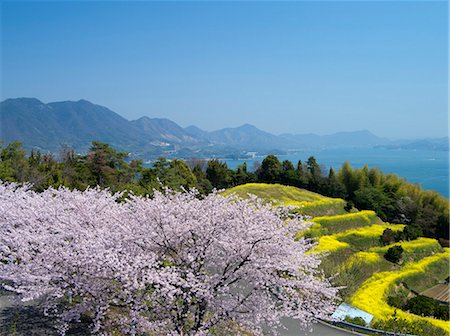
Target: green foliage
{"points": [[270, 170], [394, 254], [416, 327], [410, 232], [388, 237], [203, 185], [374, 199], [355, 320], [218, 174], [334, 188], [349, 206], [397, 301], [396, 200], [105, 164], [442, 312], [425, 306]]}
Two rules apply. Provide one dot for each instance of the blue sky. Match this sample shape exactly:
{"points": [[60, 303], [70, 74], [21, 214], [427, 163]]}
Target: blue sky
{"points": [[285, 67]]}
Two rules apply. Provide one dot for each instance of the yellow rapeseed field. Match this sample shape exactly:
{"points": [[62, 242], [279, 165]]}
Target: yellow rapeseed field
{"points": [[371, 296], [329, 244], [410, 246], [365, 215], [307, 202], [275, 192], [334, 242], [366, 257]]}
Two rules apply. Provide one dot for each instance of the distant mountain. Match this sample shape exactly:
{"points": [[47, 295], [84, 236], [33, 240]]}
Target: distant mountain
{"points": [[163, 130], [30, 121], [196, 132], [78, 123], [48, 126], [338, 140], [437, 144], [246, 137]]}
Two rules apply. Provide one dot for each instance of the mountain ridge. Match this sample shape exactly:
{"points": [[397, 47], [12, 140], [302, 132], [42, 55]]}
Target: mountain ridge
{"points": [[47, 126]]}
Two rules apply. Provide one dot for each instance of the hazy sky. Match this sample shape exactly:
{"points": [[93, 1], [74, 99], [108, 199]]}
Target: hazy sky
{"points": [[295, 67]]}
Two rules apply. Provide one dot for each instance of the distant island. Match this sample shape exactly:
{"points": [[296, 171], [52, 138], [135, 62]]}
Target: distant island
{"points": [[47, 127]]}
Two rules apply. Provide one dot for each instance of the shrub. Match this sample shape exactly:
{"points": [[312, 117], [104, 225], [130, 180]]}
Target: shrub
{"points": [[394, 254], [403, 326], [442, 312], [388, 237], [411, 232], [356, 320], [397, 301], [421, 305], [425, 306], [349, 206]]}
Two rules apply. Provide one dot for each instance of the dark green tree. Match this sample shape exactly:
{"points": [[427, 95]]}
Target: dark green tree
{"points": [[105, 164], [316, 180], [303, 175], [394, 254], [349, 179], [218, 174], [422, 305], [388, 237], [203, 185], [289, 175], [13, 163], [241, 175], [372, 198], [411, 232], [333, 187], [270, 170]]}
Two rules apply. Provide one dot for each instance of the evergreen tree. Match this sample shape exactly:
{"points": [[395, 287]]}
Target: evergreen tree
{"points": [[270, 170], [218, 174]]}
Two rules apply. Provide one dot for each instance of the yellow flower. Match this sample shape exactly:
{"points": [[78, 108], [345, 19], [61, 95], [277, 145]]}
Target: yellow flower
{"points": [[371, 296]]}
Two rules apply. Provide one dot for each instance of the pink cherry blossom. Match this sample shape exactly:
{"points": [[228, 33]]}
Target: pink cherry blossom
{"points": [[174, 264]]}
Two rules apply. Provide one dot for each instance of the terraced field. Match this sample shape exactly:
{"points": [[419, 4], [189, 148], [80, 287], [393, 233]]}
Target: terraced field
{"points": [[308, 203], [350, 244]]}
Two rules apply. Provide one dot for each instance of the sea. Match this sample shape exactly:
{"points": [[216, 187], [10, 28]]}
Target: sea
{"points": [[429, 169]]}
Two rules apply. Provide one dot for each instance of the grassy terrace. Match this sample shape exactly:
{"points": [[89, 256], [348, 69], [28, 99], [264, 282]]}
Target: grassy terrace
{"points": [[359, 238], [308, 203], [354, 269]]}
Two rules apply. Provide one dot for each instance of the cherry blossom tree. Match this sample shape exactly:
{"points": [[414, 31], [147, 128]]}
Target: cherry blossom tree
{"points": [[173, 264]]}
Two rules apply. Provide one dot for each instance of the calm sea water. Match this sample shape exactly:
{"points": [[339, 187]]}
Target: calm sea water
{"points": [[430, 169]]}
